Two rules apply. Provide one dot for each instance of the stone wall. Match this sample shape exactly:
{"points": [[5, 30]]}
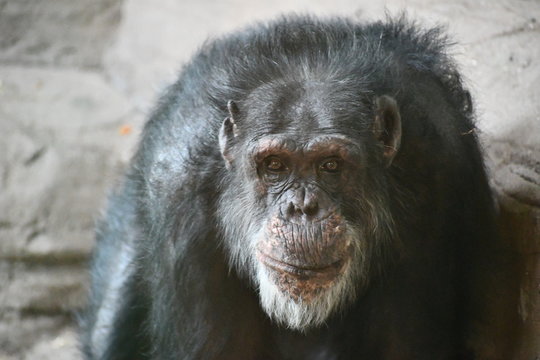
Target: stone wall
{"points": [[61, 146], [78, 77]]}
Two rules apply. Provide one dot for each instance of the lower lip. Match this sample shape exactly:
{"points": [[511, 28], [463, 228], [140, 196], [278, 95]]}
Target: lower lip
{"points": [[334, 268]]}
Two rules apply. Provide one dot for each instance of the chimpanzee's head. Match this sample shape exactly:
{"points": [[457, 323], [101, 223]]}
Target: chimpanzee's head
{"points": [[304, 206]]}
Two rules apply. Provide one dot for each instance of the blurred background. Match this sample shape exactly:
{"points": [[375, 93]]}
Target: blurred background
{"points": [[77, 79]]}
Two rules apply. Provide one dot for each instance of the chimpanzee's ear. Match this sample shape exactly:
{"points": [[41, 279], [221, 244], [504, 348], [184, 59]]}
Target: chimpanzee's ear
{"points": [[387, 126], [228, 132]]}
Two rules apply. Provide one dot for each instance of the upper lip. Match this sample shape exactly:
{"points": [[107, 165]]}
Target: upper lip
{"points": [[302, 219], [305, 270]]}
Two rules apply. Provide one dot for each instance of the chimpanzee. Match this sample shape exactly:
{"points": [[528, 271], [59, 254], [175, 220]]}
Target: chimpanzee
{"points": [[307, 189]]}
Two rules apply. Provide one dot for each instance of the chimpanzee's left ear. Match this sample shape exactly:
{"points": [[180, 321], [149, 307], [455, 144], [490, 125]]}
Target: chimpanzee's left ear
{"points": [[387, 126], [228, 132]]}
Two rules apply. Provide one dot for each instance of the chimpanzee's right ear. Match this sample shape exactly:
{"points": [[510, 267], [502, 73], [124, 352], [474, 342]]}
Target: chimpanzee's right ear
{"points": [[228, 133]]}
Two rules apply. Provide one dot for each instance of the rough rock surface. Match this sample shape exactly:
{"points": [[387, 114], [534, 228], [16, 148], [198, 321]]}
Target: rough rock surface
{"points": [[77, 77]]}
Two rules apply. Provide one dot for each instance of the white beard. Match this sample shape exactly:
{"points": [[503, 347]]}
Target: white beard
{"points": [[279, 305], [302, 315]]}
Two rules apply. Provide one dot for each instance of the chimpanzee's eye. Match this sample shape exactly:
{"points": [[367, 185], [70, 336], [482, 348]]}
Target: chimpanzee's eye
{"points": [[274, 164], [331, 165]]}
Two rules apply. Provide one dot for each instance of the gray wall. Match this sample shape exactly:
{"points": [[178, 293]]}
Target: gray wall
{"points": [[78, 77]]}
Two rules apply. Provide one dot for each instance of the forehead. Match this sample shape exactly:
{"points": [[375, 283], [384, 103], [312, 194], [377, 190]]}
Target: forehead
{"points": [[304, 110]]}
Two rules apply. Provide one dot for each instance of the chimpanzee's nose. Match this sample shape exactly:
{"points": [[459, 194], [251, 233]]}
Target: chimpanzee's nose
{"points": [[304, 203], [311, 208]]}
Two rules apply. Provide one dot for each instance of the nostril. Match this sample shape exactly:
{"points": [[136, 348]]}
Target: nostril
{"points": [[291, 209], [311, 208]]}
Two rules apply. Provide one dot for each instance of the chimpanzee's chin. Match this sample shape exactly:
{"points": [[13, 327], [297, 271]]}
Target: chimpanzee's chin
{"points": [[302, 299]]}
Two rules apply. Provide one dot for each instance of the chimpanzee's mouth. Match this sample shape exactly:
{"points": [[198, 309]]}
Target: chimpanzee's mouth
{"points": [[303, 272]]}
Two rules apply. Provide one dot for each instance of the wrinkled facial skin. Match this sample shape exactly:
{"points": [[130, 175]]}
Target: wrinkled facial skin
{"points": [[305, 259], [305, 245], [303, 208], [308, 260]]}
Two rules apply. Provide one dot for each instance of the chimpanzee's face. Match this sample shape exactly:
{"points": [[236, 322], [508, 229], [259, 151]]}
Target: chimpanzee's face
{"points": [[305, 188], [307, 253]]}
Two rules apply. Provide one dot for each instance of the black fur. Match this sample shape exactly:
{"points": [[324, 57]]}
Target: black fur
{"points": [[162, 272]]}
